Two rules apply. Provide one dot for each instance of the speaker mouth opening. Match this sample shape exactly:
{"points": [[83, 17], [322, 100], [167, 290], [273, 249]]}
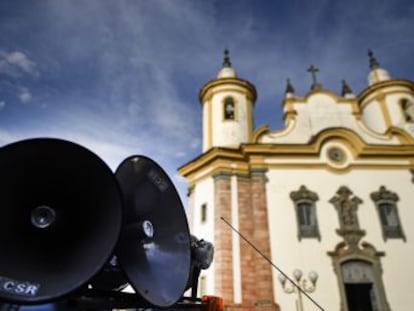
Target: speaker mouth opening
{"points": [[143, 231], [43, 216], [147, 229]]}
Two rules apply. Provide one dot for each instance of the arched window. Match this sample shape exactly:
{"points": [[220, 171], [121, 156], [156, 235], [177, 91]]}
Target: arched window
{"points": [[386, 203], [305, 208], [408, 109], [305, 215], [229, 108]]}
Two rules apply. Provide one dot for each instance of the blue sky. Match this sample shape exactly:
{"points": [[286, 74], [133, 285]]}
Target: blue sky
{"points": [[122, 77]]}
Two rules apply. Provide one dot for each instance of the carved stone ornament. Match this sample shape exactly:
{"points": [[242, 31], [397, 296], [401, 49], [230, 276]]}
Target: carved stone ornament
{"points": [[384, 194], [346, 208], [365, 252], [351, 237], [303, 194]]}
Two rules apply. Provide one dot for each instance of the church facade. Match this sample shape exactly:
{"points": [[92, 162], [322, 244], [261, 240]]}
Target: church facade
{"points": [[325, 203]]}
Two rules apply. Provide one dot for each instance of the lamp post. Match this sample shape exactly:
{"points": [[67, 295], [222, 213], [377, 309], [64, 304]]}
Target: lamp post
{"points": [[300, 285]]}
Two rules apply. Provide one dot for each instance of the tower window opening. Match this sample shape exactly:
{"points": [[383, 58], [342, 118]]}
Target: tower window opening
{"points": [[408, 110], [204, 213], [229, 109]]}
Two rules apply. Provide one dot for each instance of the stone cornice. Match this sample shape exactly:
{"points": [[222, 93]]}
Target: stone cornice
{"points": [[251, 89], [382, 85], [249, 157]]}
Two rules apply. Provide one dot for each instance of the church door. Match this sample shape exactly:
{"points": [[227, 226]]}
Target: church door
{"points": [[358, 296], [359, 286]]}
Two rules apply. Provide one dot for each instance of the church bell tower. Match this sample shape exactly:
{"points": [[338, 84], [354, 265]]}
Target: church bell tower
{"points": [[227, 105], [387, 103]]}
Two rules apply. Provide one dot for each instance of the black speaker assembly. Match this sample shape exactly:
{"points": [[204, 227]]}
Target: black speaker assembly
{"points": [[74, 234]]}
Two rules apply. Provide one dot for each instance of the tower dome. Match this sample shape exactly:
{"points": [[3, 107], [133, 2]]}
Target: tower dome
{"points": [[377, 74], [227, 71]]}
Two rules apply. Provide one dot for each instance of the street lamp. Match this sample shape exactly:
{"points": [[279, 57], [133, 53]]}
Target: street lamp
{"points": [[301, 285]]}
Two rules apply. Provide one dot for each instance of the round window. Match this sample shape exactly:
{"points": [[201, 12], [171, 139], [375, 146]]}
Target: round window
{"points": [[336, 154]]}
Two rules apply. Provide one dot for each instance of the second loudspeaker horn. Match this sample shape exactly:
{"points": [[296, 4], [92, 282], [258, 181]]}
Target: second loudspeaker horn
{"points": [[154, 246]]}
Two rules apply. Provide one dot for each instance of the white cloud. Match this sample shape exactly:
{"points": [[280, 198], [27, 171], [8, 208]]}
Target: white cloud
{"points": [[2, 104], [25, 95], [16, 64], [20, 60]]}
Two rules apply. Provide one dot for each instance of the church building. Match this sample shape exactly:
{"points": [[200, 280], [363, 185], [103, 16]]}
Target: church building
{"points": [[326, 202]]}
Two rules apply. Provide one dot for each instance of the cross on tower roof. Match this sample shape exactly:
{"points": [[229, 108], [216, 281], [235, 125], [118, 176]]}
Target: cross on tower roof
{"points": [[373, 63], [346, 89], [315, 84], [226, 60], [289, 87]]}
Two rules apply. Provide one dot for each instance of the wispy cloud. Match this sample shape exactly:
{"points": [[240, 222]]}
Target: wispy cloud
{"points": [[136, 63], [24, 95], [16, 64]]}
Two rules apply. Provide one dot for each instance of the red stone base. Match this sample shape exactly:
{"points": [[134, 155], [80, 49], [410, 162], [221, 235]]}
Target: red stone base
{"points": [[257, 307]]}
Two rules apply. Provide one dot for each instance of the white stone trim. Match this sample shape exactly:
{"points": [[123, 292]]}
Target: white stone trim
{"points": [[237, 290]]}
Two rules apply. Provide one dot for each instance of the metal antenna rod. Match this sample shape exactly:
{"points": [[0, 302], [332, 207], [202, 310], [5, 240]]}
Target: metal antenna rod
{"points": [[268, 260]]}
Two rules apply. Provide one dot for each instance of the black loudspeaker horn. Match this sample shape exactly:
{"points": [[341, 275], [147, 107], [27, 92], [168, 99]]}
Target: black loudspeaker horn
{"points": [[110, 278], [60, 218], [154, 247]]}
